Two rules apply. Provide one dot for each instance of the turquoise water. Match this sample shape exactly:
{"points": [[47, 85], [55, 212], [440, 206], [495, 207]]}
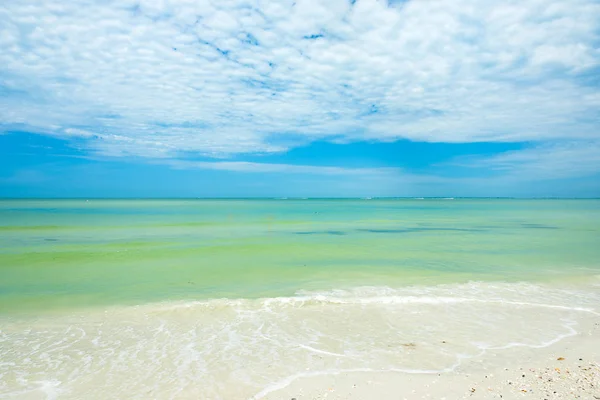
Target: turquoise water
{"points": [[235, 299], [57, 254]]}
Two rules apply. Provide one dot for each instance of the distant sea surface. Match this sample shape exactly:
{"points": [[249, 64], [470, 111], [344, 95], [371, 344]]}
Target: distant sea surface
{"points": [[124, 296]]}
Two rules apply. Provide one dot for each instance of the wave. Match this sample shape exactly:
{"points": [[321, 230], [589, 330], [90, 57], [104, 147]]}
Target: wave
{"points": [[516, 294], [174, 345]]}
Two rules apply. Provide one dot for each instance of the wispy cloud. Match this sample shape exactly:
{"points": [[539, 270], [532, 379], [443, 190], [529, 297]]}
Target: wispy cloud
{"points": [[155, 78], [254, 167], [546, 161]]}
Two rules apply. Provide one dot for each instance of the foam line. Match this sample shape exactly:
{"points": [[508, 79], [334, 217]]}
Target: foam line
{"points": [[321, 351], [572, 332], [290, 379]]}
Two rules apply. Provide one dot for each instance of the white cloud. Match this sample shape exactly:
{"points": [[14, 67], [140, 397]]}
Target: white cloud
{"points": [[154, 78], [548, 161], [78, 132], [254, 167]]}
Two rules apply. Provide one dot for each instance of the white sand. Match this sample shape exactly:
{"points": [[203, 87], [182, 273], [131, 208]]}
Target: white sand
{"points": [[477, 340], [569, 369]]}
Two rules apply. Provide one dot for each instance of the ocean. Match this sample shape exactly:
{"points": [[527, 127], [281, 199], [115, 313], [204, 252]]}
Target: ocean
{"points": [[235, 298]]}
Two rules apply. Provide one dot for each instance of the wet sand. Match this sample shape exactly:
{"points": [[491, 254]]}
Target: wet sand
{"points": [[569, 369]]}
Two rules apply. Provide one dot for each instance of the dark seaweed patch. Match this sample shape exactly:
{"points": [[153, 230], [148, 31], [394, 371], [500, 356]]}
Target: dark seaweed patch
{"points": [[539, 226], [414, 230], [320, 233]]}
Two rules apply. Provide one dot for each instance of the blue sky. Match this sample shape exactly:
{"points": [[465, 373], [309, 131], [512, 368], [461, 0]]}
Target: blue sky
{"points": [[169, 98]]}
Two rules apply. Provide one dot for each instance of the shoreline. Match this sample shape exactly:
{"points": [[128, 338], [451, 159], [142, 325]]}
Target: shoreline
{"points": [[453, 341], [569, 368], [73, 306]]}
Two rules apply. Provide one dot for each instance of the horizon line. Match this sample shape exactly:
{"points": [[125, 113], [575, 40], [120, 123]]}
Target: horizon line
{"points": [[309, 198]]}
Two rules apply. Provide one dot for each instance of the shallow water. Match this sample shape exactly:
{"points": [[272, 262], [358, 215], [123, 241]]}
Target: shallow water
{"points": [[76, 253], [228, 299]]}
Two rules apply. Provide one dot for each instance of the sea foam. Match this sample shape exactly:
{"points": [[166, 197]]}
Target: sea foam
{"points": [[247, 348]]}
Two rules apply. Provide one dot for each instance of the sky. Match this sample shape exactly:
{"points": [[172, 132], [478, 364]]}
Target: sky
{"points": [[299, 98]]}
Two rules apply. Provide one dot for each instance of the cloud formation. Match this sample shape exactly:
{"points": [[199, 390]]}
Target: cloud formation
{"points": [[547, 161], [245, 166], [157, 78]]}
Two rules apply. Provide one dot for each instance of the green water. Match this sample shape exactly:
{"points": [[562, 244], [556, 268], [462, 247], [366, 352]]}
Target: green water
{"points": [[57, 254]]}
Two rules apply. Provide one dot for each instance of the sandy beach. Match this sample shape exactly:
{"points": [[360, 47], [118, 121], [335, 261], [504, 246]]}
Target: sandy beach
{"points": [[569, 369], [352, 299]]}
